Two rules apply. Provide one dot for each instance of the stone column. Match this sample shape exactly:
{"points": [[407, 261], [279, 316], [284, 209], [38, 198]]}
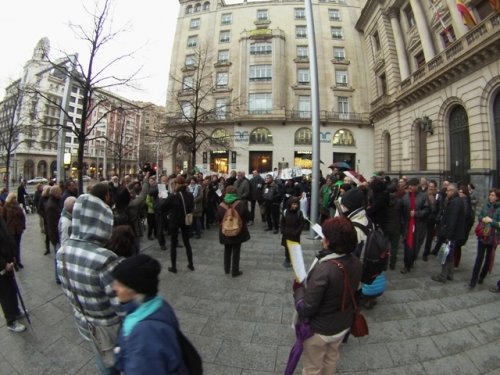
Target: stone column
{"points": [[423, 29], [404, 68], [456, 19]]}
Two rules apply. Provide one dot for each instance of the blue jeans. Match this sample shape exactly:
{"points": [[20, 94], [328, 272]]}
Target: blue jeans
{"points": [[101, 366]]}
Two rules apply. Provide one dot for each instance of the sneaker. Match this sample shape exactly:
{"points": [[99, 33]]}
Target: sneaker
{"points": [[16, 327], [494, 289]]}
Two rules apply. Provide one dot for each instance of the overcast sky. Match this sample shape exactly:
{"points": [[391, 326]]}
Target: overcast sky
{"points": [[150, 24]]}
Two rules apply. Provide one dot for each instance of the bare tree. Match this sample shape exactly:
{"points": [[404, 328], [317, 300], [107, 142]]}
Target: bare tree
{"points": [[200, 101], [91, 78], [12, 126]]}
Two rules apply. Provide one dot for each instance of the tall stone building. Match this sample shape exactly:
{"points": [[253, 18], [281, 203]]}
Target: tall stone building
{"points": [[31, 113], [434, 87], [240, 75]]}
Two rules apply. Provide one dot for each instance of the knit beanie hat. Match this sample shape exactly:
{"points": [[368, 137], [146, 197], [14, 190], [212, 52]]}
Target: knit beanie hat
{"points": [[140, 273], [353, 199]]}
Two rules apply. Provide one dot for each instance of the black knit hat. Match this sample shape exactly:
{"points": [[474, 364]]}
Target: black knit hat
{"points": [[353, 199], [139, 273]]}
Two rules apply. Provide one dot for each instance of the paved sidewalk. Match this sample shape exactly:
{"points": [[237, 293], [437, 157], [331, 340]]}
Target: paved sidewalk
{"points": [[242, 325]]}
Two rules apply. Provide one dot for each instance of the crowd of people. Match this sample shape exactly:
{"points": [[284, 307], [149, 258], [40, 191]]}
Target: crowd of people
{"points": [[95, 238]]}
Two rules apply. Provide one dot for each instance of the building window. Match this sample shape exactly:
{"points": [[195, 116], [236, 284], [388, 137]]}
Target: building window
{"points": [[223, 56], [226, 19], [261, 72], [341, 78], [187, 83], [303, 77], [189, 9], [304, 106], [339, 53], [301, 31], [195, 23], [224, 36], [303, 136], [448, 36], [262, 15], [261, 136], [382, 82], [420, 59], [334, 14], [222, 79], [300, 14], [376, 41], [190, 60], [192, 41], [206, 5], [260, 103], [220, 108], [343, 137], [302, 52], [343, 107], [186, 110], [410, 18], [197, 7], [261, 49], [337, 33]]}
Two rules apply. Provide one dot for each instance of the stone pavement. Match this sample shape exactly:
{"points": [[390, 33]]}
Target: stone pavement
{"points": [[242, 326]]}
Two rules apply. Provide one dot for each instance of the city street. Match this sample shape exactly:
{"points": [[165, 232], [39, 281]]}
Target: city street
{"points": [[242, 326]]}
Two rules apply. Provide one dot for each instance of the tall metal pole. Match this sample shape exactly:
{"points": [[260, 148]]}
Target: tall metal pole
{"points": [[313, 71]]}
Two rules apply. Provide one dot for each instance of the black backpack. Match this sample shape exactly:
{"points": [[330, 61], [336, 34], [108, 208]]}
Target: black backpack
{"points": [[376, 248], [190, 355]]}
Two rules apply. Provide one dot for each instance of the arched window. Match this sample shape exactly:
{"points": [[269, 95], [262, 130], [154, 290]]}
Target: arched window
{"points": [[189, 9], [459, 144], [219, 136], [197, 7], [206, 5], [303, 136], [261, 136], [343, 137]]}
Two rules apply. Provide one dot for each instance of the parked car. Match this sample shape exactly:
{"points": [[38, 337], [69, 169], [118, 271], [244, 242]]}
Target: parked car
{"points": [[37, 180]]}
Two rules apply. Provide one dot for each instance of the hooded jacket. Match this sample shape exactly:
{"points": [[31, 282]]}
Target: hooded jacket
{"points": [[89, 264], [148, 340]]}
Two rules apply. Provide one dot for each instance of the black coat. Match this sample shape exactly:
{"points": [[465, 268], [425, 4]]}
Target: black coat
{"points": [[291, 224], [7, 245], [452, 226], [175, 209], [244, 234]]}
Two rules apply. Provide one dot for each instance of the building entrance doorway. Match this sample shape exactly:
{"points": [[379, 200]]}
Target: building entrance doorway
{"points": [[261, 161]]}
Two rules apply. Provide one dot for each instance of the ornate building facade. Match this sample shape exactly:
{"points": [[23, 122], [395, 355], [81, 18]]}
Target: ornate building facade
{"points": [[434, 88], [251, 61]]}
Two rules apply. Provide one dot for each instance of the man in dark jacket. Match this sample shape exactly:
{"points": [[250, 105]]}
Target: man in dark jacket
{"points": [[8, 296], [415, 212], [52, 215], [452, 229], [256, 183]]}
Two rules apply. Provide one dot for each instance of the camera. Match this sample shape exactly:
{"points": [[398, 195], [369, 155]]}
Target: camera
{"points": [[147, 168]]}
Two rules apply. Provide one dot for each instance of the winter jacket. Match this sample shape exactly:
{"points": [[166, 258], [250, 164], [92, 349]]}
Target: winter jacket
{"points": [[175, 209], [7, 245], [452, 225], [378, 208], [291, 225], [359, 216], [256, 182], [14, 218], [394, 216], [243, 187], [197, 193], [320, 301], [244, 235], [89, 264], [147, 342], [52, 215], [422, 209], [64, 226]]}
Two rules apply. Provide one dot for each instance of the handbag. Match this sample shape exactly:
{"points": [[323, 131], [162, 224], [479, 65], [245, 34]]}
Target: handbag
{"points": [[188, 218], [359, 327], [103, 337], [443, 252], [485, 233]]}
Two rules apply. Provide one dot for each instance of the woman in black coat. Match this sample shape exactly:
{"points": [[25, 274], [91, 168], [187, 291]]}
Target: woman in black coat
{"points": [[177, 206], [232, 245]]}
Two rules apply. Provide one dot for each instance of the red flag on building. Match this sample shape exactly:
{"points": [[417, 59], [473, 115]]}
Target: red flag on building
{"points": [[467, 15], [495, 5]]}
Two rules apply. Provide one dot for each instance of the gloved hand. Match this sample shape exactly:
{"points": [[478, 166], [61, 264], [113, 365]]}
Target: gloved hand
{"points": [[296, 285]]}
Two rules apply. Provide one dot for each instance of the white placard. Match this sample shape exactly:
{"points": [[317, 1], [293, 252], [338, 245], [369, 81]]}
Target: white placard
{"points": [[297, 258]]}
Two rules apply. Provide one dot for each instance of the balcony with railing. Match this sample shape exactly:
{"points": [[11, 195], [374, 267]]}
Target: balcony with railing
{"points": [[477, 47]]}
